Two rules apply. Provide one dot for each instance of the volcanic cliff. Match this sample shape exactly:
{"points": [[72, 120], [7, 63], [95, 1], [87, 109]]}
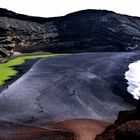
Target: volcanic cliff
{"points": [[82, 31]]}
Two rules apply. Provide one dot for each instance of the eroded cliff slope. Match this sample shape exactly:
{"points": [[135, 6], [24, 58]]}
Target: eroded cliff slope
{"points": [[88, 30]]}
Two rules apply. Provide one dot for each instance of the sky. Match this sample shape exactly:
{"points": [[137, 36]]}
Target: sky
{"points": [[53, 8]]}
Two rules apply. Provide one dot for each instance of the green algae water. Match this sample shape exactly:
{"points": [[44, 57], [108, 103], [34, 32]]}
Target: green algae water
{"points": [[7, 70]]}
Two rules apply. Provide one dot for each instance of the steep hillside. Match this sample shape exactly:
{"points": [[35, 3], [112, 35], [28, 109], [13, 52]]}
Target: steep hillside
{"points": [[88, 30]]}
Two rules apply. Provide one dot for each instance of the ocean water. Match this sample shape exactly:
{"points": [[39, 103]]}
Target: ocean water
{"points": [[133, 78]]}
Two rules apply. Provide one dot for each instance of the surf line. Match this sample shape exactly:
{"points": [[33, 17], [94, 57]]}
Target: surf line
{"points": [[133, 78]]}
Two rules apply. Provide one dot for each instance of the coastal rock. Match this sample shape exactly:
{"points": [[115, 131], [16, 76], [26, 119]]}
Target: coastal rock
{"points": [[83, 31], [127, 127], [129, 131]]}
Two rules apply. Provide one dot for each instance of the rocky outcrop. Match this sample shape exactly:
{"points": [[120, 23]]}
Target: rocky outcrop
{"points": [[21, 33], [129, 131], [88, 30], [127, 127]]}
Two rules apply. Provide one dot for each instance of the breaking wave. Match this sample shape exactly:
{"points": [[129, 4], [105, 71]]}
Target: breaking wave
{"points": [[133, 78]]}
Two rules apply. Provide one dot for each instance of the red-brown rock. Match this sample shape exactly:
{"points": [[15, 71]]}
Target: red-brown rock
{"points": [[129, 131], [126, 127]]}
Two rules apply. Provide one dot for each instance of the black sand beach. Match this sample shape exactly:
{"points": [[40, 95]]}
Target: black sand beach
{"points": [[69, 87]]}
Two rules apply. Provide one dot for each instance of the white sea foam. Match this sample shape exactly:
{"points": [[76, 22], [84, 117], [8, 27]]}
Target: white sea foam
{"points": [[133, 78]]}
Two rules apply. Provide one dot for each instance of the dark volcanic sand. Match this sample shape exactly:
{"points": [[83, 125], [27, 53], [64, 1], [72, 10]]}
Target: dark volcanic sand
{"points": [[69, 87]]}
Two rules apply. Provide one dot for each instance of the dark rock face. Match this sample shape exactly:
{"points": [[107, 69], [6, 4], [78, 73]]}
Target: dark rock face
{"points": [[129, 131], [127, 127], [89, 30], [21, 33]]}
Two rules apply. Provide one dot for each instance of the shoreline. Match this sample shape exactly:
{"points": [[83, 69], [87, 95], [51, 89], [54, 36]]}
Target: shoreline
{"points": [[14, 66], [21, 69]]}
